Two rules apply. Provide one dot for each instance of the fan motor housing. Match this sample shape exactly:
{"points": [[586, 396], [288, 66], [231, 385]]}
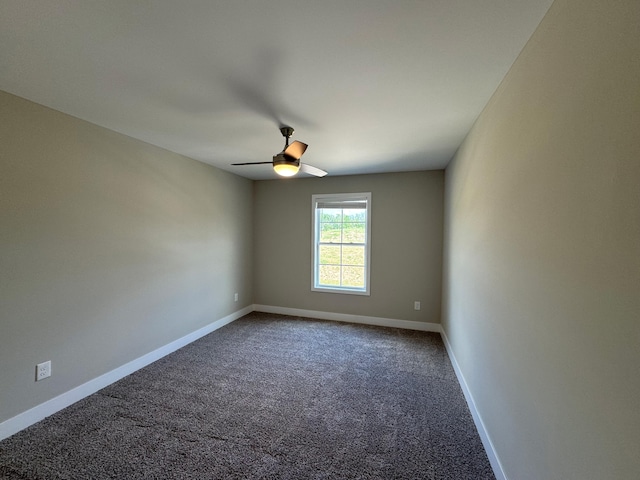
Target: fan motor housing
{"points": [[281, 158]]}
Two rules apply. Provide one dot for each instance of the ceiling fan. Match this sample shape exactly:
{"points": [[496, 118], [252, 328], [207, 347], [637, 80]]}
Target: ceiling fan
{"points": [[287, 162]]}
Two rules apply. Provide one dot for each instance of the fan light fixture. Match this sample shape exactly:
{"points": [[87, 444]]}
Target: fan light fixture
{"points": [[286, 169], [285, 166]]}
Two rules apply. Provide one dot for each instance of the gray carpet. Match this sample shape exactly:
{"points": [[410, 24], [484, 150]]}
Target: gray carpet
{"points": [[268, 397]]}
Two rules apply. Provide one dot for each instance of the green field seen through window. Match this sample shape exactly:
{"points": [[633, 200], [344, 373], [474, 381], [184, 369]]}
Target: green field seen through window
{"points": [[342, 251]]}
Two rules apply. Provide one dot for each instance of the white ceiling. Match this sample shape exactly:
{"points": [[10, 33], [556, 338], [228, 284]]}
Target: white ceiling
{"points": [[371, 85]]}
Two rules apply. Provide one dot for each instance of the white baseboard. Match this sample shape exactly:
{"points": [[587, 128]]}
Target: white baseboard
{"points": [[37, 413], [343, 317], [496, 465]]}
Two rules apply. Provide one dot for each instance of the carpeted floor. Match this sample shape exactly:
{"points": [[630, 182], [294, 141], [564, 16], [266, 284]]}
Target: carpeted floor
{"points": [[268, 397]]}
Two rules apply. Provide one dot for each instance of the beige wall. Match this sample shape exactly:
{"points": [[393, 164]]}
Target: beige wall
{"points": [[109, 249], [406, 244], [541, 283]]}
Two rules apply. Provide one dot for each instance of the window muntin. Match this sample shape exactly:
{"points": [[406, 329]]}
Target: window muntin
{"points": [[341, 243]]}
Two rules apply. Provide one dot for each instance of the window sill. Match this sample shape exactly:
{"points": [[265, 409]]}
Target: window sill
{"points": [[341, 290]]}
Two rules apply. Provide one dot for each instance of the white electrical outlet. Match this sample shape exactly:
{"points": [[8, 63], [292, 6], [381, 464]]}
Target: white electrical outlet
{"points": [[416, 305], [43, 370], [235, 297]]}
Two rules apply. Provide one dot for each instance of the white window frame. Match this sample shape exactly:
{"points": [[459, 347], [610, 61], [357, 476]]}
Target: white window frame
{"points": [[340, 198]]}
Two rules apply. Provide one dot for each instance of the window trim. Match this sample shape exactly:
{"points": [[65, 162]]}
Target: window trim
{"points": [[340, 197]]}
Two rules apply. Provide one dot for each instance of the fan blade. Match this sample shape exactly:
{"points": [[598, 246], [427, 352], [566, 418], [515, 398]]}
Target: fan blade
{"points": [[251, 163], [296, 149], [259, 85], [312, 170]]}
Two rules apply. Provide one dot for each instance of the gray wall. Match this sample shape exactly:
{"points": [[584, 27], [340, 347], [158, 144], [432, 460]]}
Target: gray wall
{"points": [[406, 244], [541, 286], [109, 249]]}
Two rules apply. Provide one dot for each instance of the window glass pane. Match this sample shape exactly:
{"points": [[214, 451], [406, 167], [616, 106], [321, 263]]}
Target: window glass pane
{"points": [[329, 275], [353, 255], [354, 215], [329, 255], [354, 233], [330, 215], [330, 232], [353, 276]]}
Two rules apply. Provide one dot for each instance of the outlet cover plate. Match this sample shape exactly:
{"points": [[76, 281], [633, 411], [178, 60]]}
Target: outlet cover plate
{"points": [[43, 370]]}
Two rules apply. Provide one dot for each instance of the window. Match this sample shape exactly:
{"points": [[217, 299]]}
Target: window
{"points": [[341, 245]]}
